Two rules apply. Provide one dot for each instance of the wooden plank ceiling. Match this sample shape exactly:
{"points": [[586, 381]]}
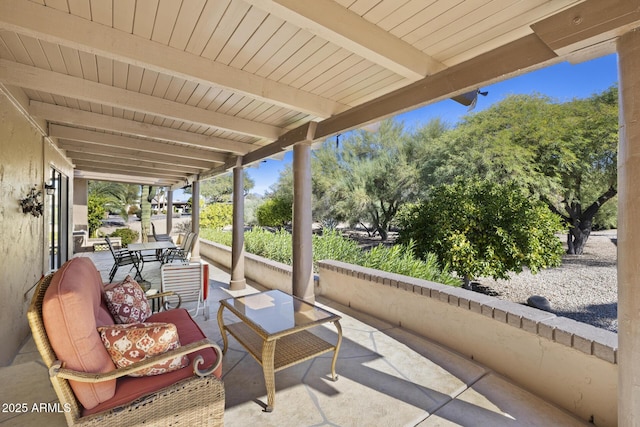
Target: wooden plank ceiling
{"points": [[165, 92]]}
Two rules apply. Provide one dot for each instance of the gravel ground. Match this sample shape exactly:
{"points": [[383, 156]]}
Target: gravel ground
{"points": [[583, 288]]}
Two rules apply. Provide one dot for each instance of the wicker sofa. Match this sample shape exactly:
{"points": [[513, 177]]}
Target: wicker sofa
{"points": [[65, 312]]}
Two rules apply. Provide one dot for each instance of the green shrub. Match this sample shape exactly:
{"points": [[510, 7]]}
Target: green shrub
{"points": [[127, 235], [274, 212], [398, 259], [216, 215], [95, 213], [480, 228]]}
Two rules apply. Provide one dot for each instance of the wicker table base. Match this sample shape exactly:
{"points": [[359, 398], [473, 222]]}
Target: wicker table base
{"points": [[278, 347]]}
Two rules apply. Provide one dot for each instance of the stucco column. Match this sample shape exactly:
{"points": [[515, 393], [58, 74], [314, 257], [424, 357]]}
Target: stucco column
{"points": [[302, 231], [629, 230], [195, 218], [80, 204], [169, 210], [238, 280]]}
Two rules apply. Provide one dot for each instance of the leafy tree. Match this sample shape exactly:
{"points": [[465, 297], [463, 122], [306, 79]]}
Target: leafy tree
{"points": [[274, 212], [220, 188], [563, 153], [116, 197], [96, 213], [367, 177], [481, 228]]}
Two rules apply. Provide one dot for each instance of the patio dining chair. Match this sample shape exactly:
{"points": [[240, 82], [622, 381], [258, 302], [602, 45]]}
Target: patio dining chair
{"points": [[183, 253], [159, 237], [122, 257]]}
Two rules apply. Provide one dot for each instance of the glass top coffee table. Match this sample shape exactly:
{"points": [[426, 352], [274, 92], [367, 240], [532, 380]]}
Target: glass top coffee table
{"points": [[273, 328]]}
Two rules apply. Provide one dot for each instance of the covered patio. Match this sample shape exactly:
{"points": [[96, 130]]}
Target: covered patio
{"points": [[171, 93], [387, 376]]}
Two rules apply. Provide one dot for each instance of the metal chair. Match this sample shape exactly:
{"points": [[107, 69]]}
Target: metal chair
{"points": [[122, 257], [183, 253], [159, 237]]}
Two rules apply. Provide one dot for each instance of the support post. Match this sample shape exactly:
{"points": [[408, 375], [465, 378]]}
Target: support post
{"points": [[169, 210], [238, 280], [629, 230], [195, 219], [302, 223]]}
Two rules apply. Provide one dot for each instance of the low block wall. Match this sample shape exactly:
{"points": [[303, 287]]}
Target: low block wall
{"points": [[270, 274], [569, 363]]}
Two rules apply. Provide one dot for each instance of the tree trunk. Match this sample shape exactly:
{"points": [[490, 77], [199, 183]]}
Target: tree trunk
{"points": [[145, 214], [466, 283], [577, 238]]}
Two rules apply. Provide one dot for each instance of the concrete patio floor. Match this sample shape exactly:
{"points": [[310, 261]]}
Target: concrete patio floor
{"points": [[388, 376]]}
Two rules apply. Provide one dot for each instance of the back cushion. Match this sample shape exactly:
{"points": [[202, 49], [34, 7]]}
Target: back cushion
{"points": [[72, 310]]}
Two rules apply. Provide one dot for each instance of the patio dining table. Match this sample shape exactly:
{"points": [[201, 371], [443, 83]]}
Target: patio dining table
{"points": [[159, 249]]}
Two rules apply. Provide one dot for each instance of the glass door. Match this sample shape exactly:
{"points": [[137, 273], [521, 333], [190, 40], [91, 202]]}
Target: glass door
{"points": [[58, 191]]}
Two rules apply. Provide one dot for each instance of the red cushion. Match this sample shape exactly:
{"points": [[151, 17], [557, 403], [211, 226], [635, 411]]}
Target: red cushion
{"points": [[71, 310], [131, 388], [135, 342]]}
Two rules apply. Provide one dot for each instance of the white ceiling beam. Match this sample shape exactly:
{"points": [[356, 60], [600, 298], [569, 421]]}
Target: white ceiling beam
{"points": [[125, 178], [72, 116], [35, 78], [121, 168], [124, 171], [55, 26], [329, 20], [160, 158], [106, 160], [128, 143]]}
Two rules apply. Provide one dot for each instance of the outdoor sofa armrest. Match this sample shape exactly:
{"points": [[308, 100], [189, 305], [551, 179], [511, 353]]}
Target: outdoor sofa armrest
{"points": [[57, 370]]}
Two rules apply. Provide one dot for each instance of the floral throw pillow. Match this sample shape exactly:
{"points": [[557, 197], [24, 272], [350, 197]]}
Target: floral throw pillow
{"points": [[127, 302], [135, 342]]}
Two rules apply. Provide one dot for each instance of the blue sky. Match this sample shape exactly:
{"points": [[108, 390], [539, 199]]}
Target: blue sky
{"points": [[562, 82]]}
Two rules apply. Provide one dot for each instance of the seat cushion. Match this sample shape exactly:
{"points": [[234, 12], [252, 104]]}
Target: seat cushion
{"points": [[129, 389], [71, 311], [135, 342]]}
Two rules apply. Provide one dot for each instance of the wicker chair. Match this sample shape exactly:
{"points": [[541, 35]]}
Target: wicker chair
{"points": [[195, 401]]}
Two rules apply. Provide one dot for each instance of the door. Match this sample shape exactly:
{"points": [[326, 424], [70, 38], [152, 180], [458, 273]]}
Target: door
{"points": [[58, 192]]}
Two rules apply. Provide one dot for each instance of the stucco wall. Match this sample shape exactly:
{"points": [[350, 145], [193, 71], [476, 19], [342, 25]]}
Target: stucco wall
{"points": [[21, 245], [566, 362], [26, 158]]}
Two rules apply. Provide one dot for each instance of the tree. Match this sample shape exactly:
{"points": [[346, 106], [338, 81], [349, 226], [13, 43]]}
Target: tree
{"points": [[116, 197], [367, 177], [216, 215], [145, 214], [95, 213], [274, 212], [220, 188], [563, 153], [481, 228]]}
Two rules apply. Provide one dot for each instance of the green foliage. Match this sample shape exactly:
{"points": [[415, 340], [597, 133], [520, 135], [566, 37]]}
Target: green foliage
{"points": [[331, 245], [116, 197], [216, 215], [220, 188], [95, 213], [481, 228], [401, 259], [127, 235], [274, 212], [366, 178]]}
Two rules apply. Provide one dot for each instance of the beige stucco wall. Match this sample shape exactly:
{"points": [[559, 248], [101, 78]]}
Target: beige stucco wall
{"points": [[25, 160], [565, 362], [21, 245]]}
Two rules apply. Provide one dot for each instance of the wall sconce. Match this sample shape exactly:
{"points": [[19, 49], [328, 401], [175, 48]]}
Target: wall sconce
{"points": [[32, 203], [50, 189]]}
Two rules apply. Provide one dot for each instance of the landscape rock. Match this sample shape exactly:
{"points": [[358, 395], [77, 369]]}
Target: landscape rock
{"points": [[539, 302]]}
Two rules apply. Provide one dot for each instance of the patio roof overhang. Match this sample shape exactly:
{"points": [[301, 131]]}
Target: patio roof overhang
{"points": [[166, 93]]}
